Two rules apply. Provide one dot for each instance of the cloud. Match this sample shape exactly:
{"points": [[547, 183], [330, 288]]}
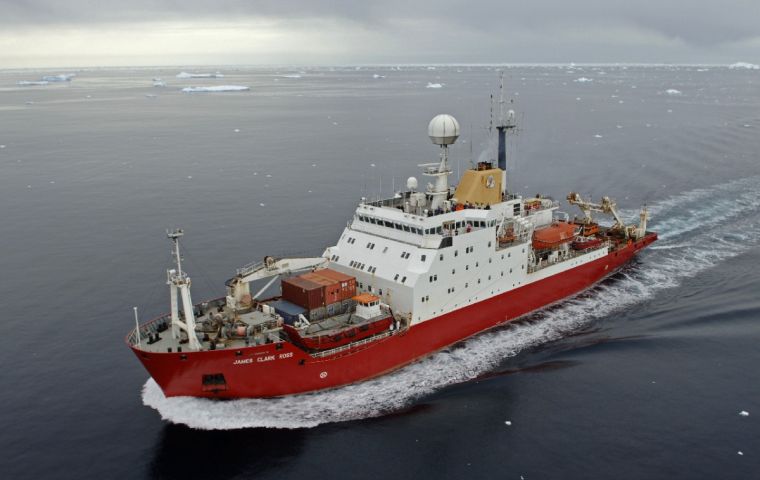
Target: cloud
{"points": [[387, 30]]}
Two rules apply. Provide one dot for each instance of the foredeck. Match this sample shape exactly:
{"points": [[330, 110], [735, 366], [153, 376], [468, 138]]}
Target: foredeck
{"points": [[258, 328]]}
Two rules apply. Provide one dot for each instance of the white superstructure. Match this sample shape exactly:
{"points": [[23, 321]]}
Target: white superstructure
{"points": [[429, 253]]}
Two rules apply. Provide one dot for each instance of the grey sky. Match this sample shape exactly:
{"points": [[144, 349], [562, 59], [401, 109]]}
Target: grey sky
{"points": [[91, 32]]}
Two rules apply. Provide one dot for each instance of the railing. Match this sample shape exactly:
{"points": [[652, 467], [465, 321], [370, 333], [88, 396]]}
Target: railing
{"points": [[573, 254], [349, 346], [250, 268], [147, 329]]}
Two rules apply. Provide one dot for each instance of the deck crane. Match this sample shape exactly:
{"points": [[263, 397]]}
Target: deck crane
{"points": [[239, 288], [608, 206]]}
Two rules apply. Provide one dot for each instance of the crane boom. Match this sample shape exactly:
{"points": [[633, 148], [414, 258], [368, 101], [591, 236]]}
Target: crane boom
{"points": [[238, 287], [607, 206]]}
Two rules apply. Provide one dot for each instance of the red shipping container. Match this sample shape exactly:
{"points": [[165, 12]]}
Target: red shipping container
{"points": [[303, 292], [347, 284]]}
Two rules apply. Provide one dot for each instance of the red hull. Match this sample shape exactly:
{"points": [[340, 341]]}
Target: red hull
{"points": [[283, 369]]}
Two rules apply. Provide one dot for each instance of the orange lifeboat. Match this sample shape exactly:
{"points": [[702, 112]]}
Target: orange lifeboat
{"points": [[553, 235]]}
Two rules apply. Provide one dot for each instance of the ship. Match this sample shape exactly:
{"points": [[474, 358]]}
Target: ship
{"points": [[409, 275]]}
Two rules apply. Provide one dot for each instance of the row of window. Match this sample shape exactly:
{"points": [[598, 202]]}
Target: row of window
{"points": [[385, 223], [427, 231], [360, 266], [451, 290]]}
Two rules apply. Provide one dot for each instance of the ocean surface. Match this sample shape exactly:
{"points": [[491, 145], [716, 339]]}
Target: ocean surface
{"points": [[643, 376]]}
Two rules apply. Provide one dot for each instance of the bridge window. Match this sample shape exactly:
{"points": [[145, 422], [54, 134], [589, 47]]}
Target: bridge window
{"points": [[395, 278], [403, 280], [423, 257]]}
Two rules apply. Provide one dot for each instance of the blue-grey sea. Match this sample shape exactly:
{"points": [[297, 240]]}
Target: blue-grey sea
{"points": [[654, 373]]}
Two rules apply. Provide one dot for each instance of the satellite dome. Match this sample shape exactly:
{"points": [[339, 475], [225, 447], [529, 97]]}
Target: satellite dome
{"points": [[443, 129], [411, 183]]}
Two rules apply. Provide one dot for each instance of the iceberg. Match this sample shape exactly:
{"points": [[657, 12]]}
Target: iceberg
{"points": [[200, 75], [434, 85], [744, 65], [26, 83], [63, 77], [217, 88]]}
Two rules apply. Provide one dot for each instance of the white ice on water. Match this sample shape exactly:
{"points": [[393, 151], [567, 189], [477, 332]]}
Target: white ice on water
{"points": [[583, 80], [63, 77], [693, 238], [216, 88], [673, 91], [744, 413], [744, 66], [434, 85], [199, 75]]}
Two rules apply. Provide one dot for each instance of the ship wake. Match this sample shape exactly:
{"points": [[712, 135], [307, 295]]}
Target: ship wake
{"points": [[693, 238]]}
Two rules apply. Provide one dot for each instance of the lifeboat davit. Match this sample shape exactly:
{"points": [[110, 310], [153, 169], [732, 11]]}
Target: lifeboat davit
{"points": [[553, 235]]}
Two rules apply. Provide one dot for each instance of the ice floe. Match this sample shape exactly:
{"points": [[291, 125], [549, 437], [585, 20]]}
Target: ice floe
{"points": [[199, 75], [434, 85], [744, 413], [744, 65], [63, 77], [673, 91], [216, 88]]}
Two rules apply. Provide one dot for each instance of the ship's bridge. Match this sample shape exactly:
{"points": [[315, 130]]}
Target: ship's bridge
{"points": [[396, 219]]}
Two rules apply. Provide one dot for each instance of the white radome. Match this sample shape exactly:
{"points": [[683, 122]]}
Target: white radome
{"points": [[443, 129], [411, 183]]}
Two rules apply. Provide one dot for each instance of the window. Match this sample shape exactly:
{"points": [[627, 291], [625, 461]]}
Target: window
{"points": [[395, 278], [385, 249], [423, 257], [406, 228], [453, 271], [456, 253], [403, 280], [440, 257], [398, 227], [466, 267], [489, 244]]}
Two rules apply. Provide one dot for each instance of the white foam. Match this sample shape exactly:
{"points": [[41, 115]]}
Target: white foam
{"points": [[434, 85], [216, 88], [583, 80], [693, 238], [744, 66], [673, 91]]}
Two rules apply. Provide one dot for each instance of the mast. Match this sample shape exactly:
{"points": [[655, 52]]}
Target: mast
{"points": [[179, 283], [504, 122]]}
